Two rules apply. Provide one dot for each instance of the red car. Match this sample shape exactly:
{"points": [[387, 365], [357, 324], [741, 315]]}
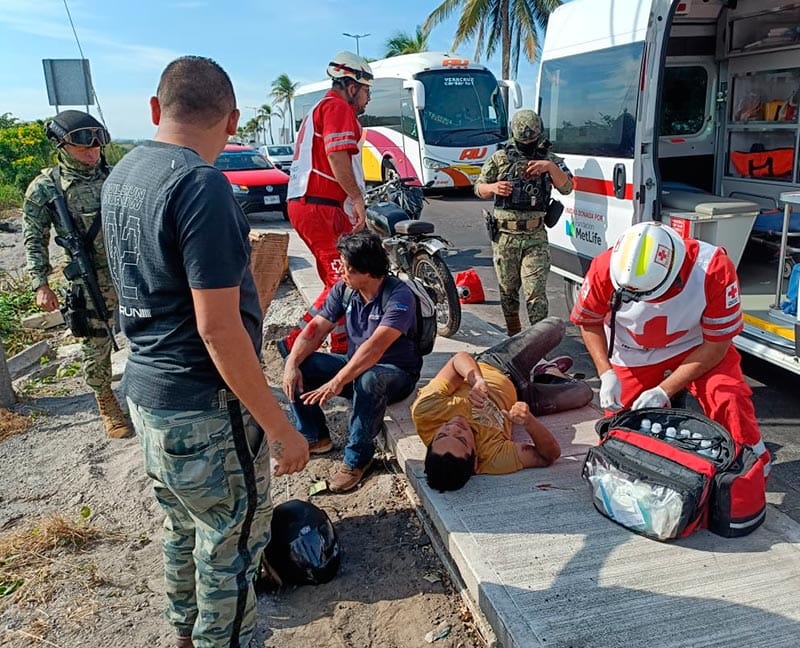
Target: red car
{"points": [[257, 185]]}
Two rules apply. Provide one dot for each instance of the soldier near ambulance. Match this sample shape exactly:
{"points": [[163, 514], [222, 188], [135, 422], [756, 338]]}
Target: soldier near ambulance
{"points": [[76, 182], [520, 176]]}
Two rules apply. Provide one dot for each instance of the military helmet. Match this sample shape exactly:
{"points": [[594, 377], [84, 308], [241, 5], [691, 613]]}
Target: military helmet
{"points": [[77, 128], [526, 127]]}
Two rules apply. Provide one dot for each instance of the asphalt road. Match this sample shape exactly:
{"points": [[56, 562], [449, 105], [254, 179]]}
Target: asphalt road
{"points": [[776, 392]]}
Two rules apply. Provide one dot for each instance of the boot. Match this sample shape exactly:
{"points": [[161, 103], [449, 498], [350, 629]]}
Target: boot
{"points": [[110, 412], [513, 325]]}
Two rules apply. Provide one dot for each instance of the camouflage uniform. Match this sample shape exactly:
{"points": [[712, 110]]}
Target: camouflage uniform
{"points": [[520, 250], [81, 185], [205, 466]]}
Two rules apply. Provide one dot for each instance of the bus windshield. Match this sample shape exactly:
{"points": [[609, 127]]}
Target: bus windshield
{"points": [[462, 108]]}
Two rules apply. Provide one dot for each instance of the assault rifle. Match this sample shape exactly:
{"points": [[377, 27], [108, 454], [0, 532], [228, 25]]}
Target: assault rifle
{"points": [[80, 266]]}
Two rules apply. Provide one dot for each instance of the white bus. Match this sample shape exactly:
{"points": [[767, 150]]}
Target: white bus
{"points": [[432, 116]]}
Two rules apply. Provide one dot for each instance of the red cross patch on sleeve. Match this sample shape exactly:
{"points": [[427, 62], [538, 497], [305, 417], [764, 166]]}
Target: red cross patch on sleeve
{"points": [[732, 295]]}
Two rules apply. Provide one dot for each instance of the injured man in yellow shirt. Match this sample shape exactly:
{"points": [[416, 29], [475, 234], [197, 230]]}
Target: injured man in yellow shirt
{"points": [[465, 414]]}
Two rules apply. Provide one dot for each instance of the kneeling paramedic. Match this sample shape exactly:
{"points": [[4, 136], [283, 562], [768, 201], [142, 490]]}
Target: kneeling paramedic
{"points": [[658, 314], [521, 176]]}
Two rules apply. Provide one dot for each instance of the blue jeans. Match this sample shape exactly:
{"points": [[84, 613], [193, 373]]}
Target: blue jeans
{"points": [[371, 392]]}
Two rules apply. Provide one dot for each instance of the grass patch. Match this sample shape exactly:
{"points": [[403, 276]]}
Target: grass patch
{"points": [[16, 301], [10, 197], [12, 423], [47, 557]]}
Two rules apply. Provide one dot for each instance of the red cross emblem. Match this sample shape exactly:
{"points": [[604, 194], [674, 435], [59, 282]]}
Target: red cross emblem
{"points": [[662, 256]]}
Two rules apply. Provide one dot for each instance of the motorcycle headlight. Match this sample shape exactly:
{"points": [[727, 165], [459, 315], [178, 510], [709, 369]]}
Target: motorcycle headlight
{"points": [[430, 163]]}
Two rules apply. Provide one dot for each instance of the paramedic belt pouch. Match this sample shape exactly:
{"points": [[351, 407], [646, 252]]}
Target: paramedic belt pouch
{"points": [[666, 485]]}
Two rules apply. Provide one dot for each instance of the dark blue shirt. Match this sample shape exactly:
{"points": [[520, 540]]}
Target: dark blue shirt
{"points": [[361, 320], [171, 224]]}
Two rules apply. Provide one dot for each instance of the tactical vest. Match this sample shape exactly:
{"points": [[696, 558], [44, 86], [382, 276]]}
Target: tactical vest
{"points": [[527, 194]]}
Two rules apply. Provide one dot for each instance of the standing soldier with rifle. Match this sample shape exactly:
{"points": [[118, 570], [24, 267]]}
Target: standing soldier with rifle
{"points": [[520, 177], [66, 197]]}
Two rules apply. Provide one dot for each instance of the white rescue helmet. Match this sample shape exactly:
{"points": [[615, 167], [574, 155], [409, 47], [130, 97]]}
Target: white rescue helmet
{"points": [[646, 260], [348, 65]]}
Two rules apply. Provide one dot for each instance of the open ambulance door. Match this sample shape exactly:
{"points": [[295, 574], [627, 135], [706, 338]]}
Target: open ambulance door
{"points": [[646, 175]]}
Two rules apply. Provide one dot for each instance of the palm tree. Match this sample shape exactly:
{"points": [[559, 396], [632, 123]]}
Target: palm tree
{"points": [[514, 24], [283, 89], [265, 116], [405, 43]]}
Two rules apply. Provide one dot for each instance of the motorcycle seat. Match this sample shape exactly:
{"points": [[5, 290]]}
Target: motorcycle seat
{"points": [[413, 227]]}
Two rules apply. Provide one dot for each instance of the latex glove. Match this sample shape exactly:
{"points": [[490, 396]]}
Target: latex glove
{"points": [[655, 397], [610, 390]]}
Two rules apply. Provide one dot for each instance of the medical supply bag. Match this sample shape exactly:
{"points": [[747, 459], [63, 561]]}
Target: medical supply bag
{"points": [[665, 472]]}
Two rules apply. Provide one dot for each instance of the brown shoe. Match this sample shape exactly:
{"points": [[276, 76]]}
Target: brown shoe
{"points": [[347, 478], [111, 414], [320, 446]]}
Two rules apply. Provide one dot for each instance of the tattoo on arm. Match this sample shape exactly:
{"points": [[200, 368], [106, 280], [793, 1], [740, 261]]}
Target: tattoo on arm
{"points": [[277, 449]]}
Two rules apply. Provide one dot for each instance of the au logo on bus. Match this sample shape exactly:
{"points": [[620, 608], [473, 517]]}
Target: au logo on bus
{"points": [[474, 153]]}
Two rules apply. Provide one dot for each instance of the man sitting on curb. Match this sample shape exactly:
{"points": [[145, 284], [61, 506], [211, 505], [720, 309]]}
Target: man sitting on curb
{"points": [[381, 366], [465, 414]]}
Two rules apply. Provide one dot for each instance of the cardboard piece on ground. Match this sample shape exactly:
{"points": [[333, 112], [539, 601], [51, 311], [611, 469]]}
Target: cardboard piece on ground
{"points": [[269, 263]]}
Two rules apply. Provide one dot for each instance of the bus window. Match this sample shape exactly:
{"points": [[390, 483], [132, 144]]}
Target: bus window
{"points": [[588, 101], [383, 108], [462, 106], [303, 105], [408, 116], [684, 100]]}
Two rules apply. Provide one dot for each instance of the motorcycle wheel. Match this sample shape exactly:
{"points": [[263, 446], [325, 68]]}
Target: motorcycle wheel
{"points": [[433, 272]]}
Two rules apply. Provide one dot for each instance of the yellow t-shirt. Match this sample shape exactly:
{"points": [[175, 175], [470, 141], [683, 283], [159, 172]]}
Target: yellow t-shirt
{"points": [[435, 405]]}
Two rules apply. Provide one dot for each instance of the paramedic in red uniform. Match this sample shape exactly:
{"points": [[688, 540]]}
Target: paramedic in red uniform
{"points": [[326, 183], [657, 315]]}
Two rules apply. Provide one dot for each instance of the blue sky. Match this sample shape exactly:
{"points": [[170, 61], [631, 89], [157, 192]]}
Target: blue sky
{"points": [[128, 44]]}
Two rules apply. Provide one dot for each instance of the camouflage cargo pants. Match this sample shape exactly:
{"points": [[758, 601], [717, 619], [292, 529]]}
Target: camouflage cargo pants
{"points": [[522, 260], [211, 475], [96, 350]]}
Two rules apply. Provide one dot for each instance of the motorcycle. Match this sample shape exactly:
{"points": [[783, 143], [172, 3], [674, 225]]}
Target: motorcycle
{"points": [[393, 211]]}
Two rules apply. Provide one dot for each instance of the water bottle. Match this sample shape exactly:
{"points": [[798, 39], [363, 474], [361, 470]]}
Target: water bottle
{"points": [[645, 426], [705, 448], [671, 433], [684, 434], [655, 429]]}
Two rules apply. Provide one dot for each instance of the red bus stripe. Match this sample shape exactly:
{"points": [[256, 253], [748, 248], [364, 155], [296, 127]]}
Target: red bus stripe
{"points": [[600, 187]]}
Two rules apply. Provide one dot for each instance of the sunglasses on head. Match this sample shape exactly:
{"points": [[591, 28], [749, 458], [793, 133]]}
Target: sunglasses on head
{"points": [[89, 136]]}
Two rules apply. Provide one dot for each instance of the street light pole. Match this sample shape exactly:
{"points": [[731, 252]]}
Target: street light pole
{"points": [[357, 37]]}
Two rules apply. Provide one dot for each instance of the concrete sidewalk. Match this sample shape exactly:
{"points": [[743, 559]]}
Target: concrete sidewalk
{"points": [[545, 569]]}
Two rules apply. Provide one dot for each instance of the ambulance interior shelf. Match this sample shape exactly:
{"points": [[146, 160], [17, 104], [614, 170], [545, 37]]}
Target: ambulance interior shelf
{"points": [[772, 29], [763, 125], [721, 221]]}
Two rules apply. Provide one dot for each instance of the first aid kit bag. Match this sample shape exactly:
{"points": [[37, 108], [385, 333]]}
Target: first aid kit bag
{"points": [[665, 472]]}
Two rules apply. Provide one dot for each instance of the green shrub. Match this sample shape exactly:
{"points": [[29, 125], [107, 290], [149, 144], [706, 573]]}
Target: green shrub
{"points": [[24, 151], [10, 197], [16, 301]]}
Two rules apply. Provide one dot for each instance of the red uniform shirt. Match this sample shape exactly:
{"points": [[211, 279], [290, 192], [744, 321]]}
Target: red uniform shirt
{"points": [[335, 129], [650, 332]]}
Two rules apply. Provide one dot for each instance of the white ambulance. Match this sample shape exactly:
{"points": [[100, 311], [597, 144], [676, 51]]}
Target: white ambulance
{"points": [[685, 112]]}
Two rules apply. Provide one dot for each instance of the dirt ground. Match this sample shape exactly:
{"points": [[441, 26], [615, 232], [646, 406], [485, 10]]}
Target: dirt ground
{"points": [[93, 576]]}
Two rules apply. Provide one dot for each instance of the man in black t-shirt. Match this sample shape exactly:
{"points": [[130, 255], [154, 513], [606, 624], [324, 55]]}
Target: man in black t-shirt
{"points": [[179, 255]]}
